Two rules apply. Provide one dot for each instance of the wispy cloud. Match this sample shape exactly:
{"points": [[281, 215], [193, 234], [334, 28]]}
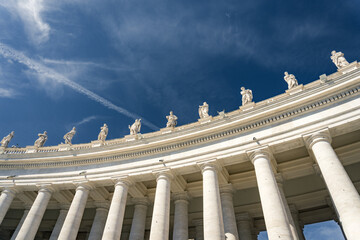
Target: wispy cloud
{"points": [[49, 73], [30, 13], [7, 93], [87, 64], [85, 120]]}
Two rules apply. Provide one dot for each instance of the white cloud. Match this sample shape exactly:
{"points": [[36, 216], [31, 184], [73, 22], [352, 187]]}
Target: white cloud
{"points": [[7, 93], [85, 120], [48, 73], [30, 13]]}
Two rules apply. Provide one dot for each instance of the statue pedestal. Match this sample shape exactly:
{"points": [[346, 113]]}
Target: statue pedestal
{"points": [[97, 143], [2, 150], [294, 90], [352, 66], [64, 147], [166, 130], [205, 119], [31, 149], [129, 138], [247, 106]]}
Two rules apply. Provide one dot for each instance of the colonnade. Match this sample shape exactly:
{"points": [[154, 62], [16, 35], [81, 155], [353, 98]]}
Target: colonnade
{"points": [[219, 219]]}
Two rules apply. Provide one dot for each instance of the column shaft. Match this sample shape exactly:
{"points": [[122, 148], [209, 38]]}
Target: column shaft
{"points": [[161, 212], [343, 193], [213, 219], [58, 225], [36, 213], [230, 228], [199, 228], [22, 220], [98, 225], [5, 201], [288, 213], [72, 222], [276, 221], [244, 226], [115, 217], [181, 228], [137, 231]]}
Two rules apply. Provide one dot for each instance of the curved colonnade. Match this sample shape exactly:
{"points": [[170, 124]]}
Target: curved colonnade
{"points": [[275, 165]]}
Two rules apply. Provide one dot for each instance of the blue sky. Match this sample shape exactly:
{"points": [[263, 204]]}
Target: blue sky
{"points": [[84, 63]]}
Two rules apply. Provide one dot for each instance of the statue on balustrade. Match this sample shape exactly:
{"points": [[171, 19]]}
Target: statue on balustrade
{"points": [[41, 140], [171, 120], [204, 110], [68, 136], [135, 127], [5, 141], [247, 96], [103, 133], [291, 80], [338, 59]]}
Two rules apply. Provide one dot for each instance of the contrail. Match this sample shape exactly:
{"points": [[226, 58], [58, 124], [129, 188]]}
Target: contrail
{"points": [[12, 54]]}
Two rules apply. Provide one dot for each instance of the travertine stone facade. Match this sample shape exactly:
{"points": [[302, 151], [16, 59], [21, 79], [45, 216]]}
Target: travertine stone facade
{"points": [[222, 177]]}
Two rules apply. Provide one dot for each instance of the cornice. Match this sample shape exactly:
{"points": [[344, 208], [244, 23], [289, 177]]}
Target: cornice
{"points": [[292, 112]]}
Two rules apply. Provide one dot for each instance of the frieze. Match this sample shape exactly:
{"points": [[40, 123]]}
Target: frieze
{"points": [[171, 147]]}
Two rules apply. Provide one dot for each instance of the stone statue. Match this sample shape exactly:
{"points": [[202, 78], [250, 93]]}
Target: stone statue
{"points": [[41, 140], [204, 110], [171, 120], [338, 59], [103, 133], [291, 80], [135, 127], [5, 141], [68, 137], [247, 96]]}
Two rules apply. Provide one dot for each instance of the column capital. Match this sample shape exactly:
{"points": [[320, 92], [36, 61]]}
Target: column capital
{"points": [[198, 222], [141, 201], [123, 181], [263, 152], [83, 185], [103, 204], [163, 174], [11, 190], [227, 188], [322, 135], [244, 216], [45, 187], [212, 164], [180, 196]]}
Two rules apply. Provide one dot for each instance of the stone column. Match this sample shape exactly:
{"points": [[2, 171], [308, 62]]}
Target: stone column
{"points": [[342, 191], [161, 212], [6, 198], [137, 231], [36, 213], [287, 209], [244, 223], [213, 219], [298, 225], [22, 220], [199, 226], [275, 216], [181, 226], [59, 223], [97, 228], [72, 221], [115, 217], [226, 195]]}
